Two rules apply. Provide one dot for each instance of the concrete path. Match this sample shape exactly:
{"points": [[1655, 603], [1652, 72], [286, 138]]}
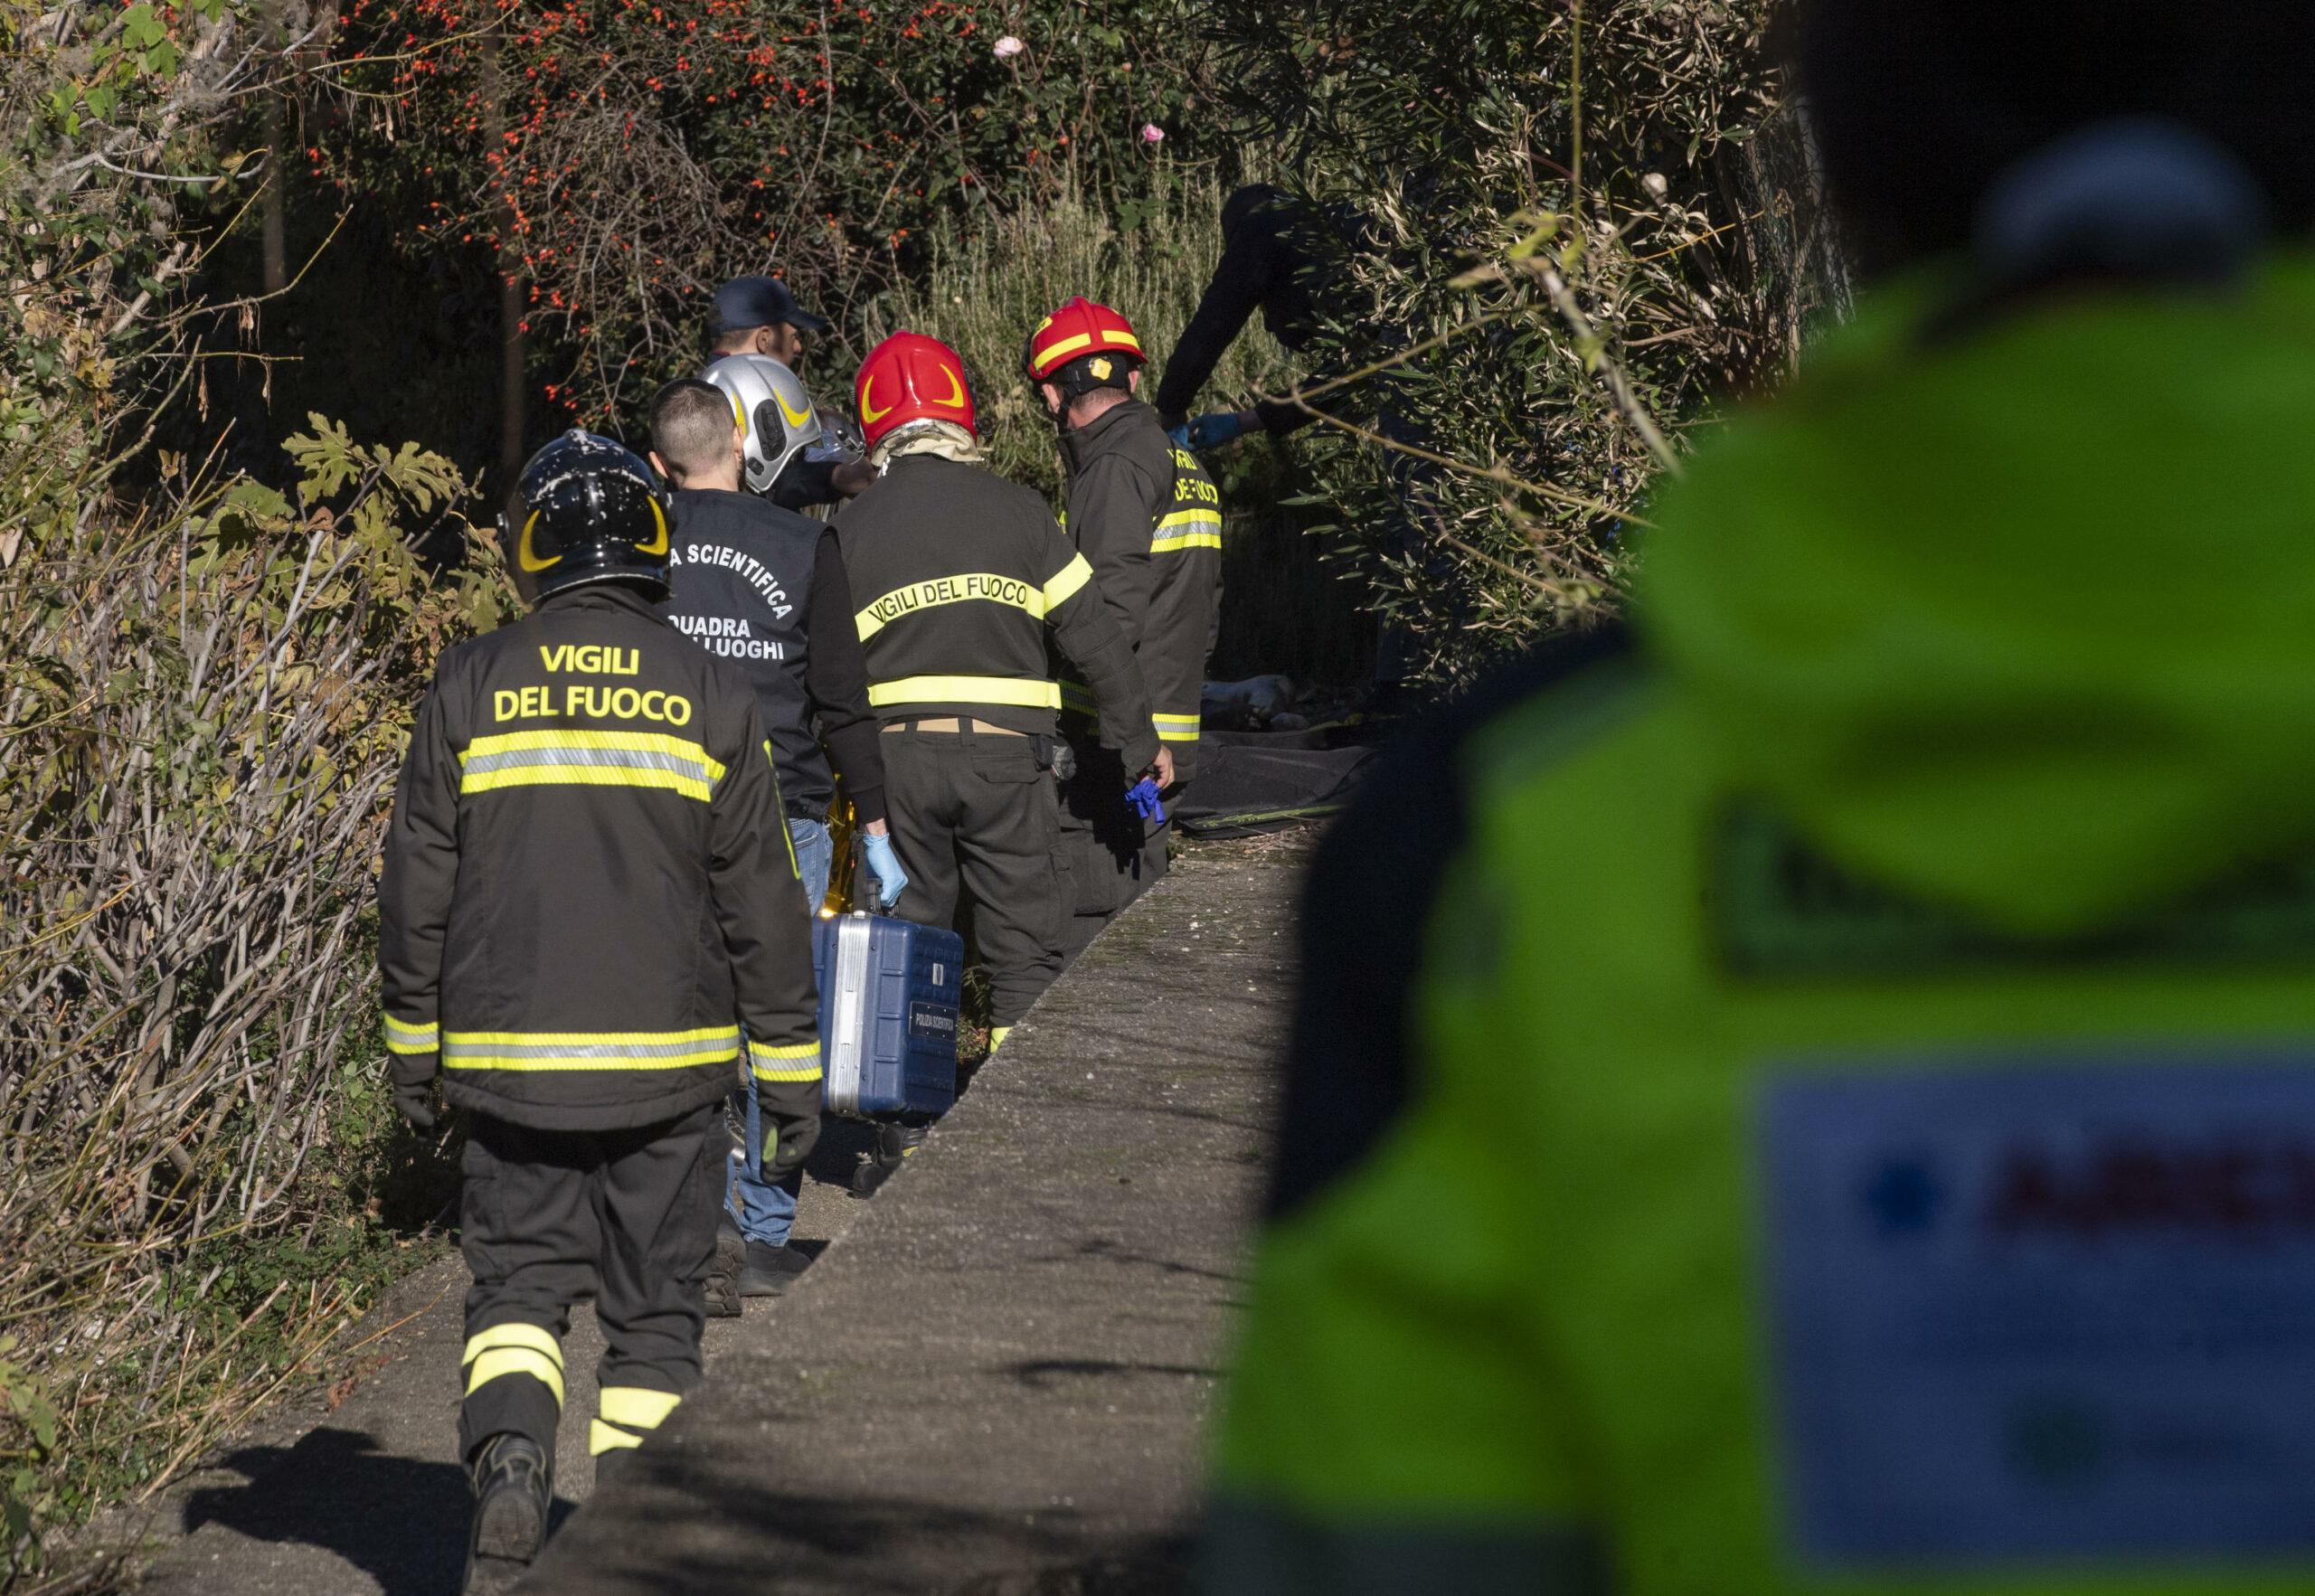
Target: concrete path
{"points": [[993, 1381]]}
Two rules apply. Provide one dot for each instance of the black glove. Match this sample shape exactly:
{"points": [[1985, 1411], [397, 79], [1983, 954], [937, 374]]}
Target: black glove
{"points": [[796, 1137], [414, 1101]]}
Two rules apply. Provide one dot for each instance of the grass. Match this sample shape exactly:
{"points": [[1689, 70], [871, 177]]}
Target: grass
{"points": [[1285, 606]]}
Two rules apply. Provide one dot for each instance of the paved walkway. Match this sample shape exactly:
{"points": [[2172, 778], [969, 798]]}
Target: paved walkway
{"points": [[993, 1381]]}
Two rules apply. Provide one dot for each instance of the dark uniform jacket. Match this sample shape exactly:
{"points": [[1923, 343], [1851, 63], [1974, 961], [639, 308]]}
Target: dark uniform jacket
{"points": [[589, 912], [959, 574], [765, 588], [1148, 519]]}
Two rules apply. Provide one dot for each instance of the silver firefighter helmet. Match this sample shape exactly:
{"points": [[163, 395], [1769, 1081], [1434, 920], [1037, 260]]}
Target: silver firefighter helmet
{"points": [[775, 414]]}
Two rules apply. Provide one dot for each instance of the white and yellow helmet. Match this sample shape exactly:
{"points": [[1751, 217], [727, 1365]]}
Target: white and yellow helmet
{"points": [[775, 414]]}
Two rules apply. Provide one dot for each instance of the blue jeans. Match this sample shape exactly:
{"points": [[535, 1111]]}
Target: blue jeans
{"points": [[765, 1210]]}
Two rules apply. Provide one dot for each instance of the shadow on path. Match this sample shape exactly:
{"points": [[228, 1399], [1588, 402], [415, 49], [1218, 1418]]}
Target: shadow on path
{"points": [[399, 1520], [879, 1546]]}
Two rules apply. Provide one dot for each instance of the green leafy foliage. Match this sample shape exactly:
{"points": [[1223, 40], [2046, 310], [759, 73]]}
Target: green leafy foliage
{"points": [[207, 699], [1554, 237], [625, 157]]}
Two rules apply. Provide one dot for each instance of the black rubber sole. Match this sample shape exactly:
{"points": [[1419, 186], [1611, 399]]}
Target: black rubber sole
{"points": [[510, 1526]]}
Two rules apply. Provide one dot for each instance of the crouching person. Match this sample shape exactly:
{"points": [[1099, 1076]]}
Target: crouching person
{"points": [[589, 916]]}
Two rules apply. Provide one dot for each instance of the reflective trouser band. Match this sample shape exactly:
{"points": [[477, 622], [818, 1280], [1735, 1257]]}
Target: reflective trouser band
{"points": [[1176, 728], [588, 1049], [625, 1415], [799, 1062], [587, 759], [996, 1036], [1013, 690], [401, 1036], [513, 1349], [1186, 529]]}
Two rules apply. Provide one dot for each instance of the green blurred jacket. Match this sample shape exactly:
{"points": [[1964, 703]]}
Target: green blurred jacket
{"points": [[1821, 1097]]}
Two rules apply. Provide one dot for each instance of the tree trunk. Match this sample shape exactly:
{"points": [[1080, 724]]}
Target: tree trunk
{"points": [[513, 382]]}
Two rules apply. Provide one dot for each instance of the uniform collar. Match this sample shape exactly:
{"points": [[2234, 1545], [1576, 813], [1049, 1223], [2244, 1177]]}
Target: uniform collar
{"points": [[602, 595], [1079, 442]]}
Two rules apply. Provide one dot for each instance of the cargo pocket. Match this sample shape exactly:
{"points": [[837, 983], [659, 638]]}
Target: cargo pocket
{"points": [[1096, 885], [480, 1233]]}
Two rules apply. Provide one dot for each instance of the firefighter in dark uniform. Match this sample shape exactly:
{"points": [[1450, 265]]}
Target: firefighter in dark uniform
{"points": [[1148, 520], [765, 588], [959, 575], [588, 922]]}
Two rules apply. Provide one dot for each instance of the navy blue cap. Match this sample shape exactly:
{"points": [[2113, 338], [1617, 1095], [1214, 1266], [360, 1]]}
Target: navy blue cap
{"points": [[747, 302]]}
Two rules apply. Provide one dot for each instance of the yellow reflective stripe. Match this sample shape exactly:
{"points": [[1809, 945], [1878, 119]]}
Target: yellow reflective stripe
{"points": [[575, 1062], [599, 1038], [404, 1037], [1175, 728], [635, 1406], [587, 759], [634, 742], [537, 1337], [931, 594], [1053, 354], [1064, 585], [996, 1036], [1187, 529], [1077, 698], [588, 1049], [784, 1077], [965, 690], [604, 1438], [764, 1062], [501, 1361], [586, 776]]}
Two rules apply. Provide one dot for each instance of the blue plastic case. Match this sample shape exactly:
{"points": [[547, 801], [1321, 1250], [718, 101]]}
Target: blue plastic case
{"points": [[890, 992]]}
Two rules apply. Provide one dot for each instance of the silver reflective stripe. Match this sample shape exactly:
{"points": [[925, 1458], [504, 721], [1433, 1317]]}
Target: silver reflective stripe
{"points": [[457, 1047], [848, 1015], [625, 759]]}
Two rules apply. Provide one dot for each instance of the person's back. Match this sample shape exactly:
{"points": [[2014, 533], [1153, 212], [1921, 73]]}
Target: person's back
{"points": [[949, 565], [959, 575], [1148, 520], [588, 922], [1848, 1126]]}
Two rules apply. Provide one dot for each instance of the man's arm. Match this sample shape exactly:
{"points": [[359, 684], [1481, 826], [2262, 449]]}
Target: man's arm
{"points": [[1241, 278], [1089, 640], [1113, 506], [768, 936], [835, 679], [421, 868]]}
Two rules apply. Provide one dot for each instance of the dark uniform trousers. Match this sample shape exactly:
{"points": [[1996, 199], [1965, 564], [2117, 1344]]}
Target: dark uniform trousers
{"points": [[972, 812], [548, 1216], [1110, 854]]}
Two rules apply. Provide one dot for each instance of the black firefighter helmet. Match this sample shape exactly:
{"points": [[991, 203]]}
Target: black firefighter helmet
{"points": [[586, 510]]}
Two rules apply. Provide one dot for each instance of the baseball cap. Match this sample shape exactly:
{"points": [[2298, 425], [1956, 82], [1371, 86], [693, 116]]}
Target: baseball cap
{"points": [[747, 302]]}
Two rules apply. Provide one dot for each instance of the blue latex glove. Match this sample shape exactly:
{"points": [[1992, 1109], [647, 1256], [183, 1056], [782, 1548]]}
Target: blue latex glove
{"points": [[1143, 795], [884, 865], [1180, 435], [1215, 430]]}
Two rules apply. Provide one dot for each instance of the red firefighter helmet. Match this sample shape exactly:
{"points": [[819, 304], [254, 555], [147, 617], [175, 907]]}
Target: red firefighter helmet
{"points": [[1080, 330], [910, 377]]}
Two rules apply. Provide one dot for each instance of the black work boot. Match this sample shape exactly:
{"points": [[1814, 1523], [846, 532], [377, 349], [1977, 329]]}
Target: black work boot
{"points": [[895, 1144], [769, 1269], [723, 1273], [514, 1486]]}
